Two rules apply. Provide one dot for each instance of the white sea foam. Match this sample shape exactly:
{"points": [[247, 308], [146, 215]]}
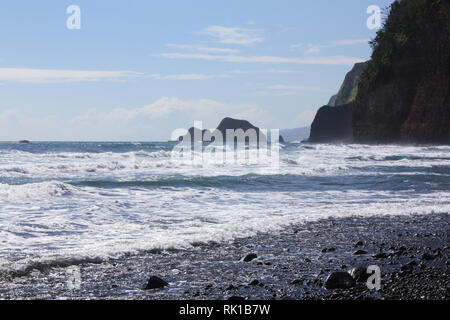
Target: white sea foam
{"points": [[48, 211], [35, 191]]}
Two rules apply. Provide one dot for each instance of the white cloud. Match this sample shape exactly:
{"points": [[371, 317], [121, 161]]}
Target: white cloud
{"points": [[298, 88], [281, 71], [187, 76], [238, 71], [350, 42], [55, 76], [166, 106], [315, 49], [339, 60], [228, 35], [290, 90], [17, 126], [61, 76], [203, 49], [154, 121], [305, 118], [163, 116], [312, 49], [256, 116]]}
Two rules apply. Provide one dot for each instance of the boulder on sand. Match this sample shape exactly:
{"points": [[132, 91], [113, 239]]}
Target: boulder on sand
{"points": [[339, 280], [250, 257], [359, 274], [155, 283]]}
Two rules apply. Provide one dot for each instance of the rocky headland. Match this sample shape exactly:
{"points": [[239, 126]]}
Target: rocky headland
{"points": [[334, 122], [401, 95]]}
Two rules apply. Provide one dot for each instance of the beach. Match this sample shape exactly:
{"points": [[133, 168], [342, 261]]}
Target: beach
{"points": [[291, 264], [94, 220]]}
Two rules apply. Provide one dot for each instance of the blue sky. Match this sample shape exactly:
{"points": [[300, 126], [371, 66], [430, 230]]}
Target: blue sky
{"points": [[137, 70]]}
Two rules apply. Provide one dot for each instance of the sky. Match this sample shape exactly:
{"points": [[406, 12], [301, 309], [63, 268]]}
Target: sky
{"points": [[138, 70]]}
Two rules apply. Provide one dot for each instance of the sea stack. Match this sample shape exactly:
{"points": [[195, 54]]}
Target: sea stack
{"points": [[221, 130]]}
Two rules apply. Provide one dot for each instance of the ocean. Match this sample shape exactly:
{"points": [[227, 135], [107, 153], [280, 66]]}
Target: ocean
{"points": [[78, 201]]}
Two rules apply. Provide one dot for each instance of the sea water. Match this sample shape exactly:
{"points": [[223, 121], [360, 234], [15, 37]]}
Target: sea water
{"points": [[75, 201]]}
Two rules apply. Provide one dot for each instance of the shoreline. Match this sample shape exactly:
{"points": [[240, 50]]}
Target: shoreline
{"points": [[412, 252]]}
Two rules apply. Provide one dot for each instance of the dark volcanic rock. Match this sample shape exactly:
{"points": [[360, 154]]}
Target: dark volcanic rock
{"points": [[230, 123], [359, 244], [255, 283], [428, 256], [413, 263], [24, 141], [359, 274], [339, 280], [332, 124], [194, 135], [380, 255], [155, 283], [404, 95], [251, 132], [235, 124], [359, 252], [231, 287], [250, 257]]}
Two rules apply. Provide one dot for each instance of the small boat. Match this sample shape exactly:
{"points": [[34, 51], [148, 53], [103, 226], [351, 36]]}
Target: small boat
{"points": [[24, 141]]}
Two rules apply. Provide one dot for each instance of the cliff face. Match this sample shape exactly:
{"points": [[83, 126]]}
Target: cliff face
{"points": [[332, 101], [332, 124], [403, 95], [349, 89]]}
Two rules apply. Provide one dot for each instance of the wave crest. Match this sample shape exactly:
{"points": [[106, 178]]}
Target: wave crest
{"points": [[37, 190]]}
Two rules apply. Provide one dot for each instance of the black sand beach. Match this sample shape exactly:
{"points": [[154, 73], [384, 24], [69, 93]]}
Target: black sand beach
{"points": [[412, 252]]}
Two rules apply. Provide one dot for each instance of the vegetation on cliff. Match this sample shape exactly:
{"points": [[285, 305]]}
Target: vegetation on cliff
{"points": [[349, 88], [404, 93]]}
